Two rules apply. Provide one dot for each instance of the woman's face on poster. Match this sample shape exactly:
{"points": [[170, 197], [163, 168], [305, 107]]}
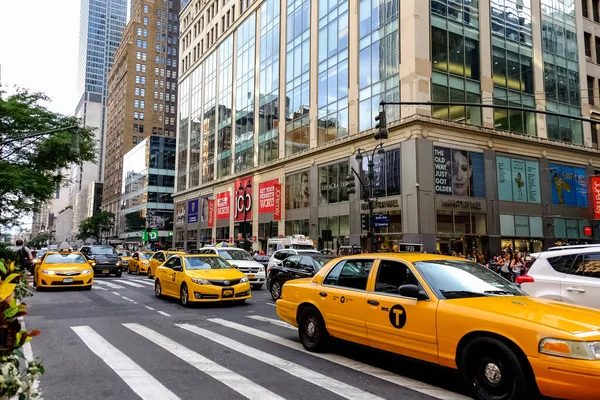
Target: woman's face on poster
{"points": [[461, 173]]}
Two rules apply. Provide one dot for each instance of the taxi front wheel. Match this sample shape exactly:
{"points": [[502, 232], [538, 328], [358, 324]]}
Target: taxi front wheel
{"points": [[492, 370], [312, 331]]}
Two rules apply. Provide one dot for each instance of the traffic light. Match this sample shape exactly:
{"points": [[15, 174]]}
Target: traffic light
{"points": [[350, 185], [381, 126], [365, 222]]}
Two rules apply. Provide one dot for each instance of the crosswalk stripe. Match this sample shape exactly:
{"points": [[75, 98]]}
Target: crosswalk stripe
{"points": [[340, 388], [346, 362], [145, 282], [110, 285], [128, 283], [98, 288], [164, 313], [140, 381], [240, 384], [272, 321]]}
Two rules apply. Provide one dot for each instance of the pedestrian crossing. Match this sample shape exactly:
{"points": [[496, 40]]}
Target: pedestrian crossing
{"points": [[122, 283], [202, 346]]}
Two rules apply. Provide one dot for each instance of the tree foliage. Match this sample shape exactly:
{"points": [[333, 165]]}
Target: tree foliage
{"points": [[29, 167], [96, 226], [40, 240]]}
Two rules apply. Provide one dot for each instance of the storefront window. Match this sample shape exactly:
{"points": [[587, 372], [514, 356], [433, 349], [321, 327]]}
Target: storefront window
{"points": [[268, 230], [569, 185], [521, 226], [206, 235], [386, 172], [445, 222], [332, 183], [458, 172], [223, 233], [518, 180], [297, 191], [462, 222], [296, 227]]}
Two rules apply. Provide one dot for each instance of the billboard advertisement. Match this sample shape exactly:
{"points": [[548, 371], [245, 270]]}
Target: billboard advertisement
{"points": [[458, 172], [192, 214], [266, 196], [518, 180], [243, 202], [569, 185], [223, 205]]}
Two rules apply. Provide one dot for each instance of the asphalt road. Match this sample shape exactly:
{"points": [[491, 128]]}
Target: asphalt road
{"points": [[117, 341]]}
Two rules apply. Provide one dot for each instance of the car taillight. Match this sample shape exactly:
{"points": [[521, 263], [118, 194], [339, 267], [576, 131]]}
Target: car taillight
{"points": [[524, 279]]}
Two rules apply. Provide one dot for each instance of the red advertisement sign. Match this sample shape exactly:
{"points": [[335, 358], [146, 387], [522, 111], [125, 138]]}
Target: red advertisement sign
{"points": [[266, 196], [223, 205], [211, 213], [277, 203], [595, 196], [242, 203]]}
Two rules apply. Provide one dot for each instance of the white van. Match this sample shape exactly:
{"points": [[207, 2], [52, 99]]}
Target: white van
{"points": [[298, 242]]}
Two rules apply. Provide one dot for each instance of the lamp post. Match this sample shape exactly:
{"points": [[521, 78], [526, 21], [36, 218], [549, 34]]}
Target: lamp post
{"points": [[367, 188], [244, 189]]}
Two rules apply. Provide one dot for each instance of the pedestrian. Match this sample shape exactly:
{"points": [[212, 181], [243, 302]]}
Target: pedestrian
{"points": [[25, 257], [517, 265], [505, 270]]}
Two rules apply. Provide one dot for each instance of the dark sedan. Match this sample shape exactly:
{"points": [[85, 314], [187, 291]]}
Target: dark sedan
{"points": [[294, 267]]}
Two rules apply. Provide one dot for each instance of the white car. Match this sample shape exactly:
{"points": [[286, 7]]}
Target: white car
{"points": [[280, 255], [571, 275], [243, 261]]}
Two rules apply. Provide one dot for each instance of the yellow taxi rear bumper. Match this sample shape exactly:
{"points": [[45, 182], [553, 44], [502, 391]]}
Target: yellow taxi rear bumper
{"points": [[57, 281], [286, 310], [210, 293], [567, 378]]}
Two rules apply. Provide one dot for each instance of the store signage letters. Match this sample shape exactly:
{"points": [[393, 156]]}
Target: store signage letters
{"points": [[466, 204], [392, 203]]}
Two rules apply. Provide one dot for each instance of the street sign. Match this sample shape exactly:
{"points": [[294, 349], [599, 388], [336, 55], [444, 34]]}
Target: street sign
{"points": [[170, 234], [381, 221], [153, 236], [144, 236]]}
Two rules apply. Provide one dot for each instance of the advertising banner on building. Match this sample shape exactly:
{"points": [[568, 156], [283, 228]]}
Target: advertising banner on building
{"points": [[223, 205], [203, 209], [569, 186], [595, 196], [504, 174], [277, 203], [210, 211], [192, 214], [532, 170], [180, 213], [518, 181], [243, 202], [458, 172], [266, 196]]}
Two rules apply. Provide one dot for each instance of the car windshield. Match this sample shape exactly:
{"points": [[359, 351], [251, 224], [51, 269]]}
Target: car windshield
{"points": [[64, 259], [199, 263], [124, 253], [453, 279], [236, 254], [145, 256], [322, 260], [103, 250]]}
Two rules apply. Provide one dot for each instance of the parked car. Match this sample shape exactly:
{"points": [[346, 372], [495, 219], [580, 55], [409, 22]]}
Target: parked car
{"points": [[243, 261], [294, 267], [571, 275], [280, 255], [106, 258], [263, 260]]}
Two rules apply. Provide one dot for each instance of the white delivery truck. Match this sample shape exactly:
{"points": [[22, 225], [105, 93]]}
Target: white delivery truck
{"points": [[298, 242]]}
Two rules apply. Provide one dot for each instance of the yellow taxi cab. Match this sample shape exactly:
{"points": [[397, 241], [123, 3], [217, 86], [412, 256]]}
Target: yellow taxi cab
{"points": [[140, 260], [201, 278], [125, 256], [63, 269], [455, 313], [159, 258]]}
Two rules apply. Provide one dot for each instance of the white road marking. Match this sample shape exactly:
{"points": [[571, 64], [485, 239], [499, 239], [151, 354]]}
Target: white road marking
{"points": [[28, 353], [127, 298], [98, 288], [116, 294], [150, 308], [110, 285], [340, 388], [388, 376], [240, 384], [140, 381], [164, 313], [145, 282], [128, 283], [135, 302], [272, 321], [271, 304]]}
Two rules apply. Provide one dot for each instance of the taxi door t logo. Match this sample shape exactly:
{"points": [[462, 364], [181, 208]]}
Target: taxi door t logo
{"points": [[397, 316]]}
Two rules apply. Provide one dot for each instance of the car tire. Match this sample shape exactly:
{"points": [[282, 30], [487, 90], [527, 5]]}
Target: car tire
{"points": [[118, 274], [312, 330], [88, 287], [184, 295], [34, 283], [149, 273], [128, 271], [257, 287], [157, 289], [275, 290], [137, 270], [492, 370]]}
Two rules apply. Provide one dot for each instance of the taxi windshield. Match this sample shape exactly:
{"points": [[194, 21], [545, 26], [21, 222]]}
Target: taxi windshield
{"points": [[124, 253], [199, 263], [237, 254], [103, 250], [145, 256], [453, 279], [65, 259]]}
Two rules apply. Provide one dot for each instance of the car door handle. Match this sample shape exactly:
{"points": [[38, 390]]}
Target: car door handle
{"points": [[373, 302], [323, 294], [575, 289]]}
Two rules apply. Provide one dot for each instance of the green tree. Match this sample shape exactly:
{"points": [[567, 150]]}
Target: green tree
{"points": [[39, 240], [29, 165], [96, 226]]}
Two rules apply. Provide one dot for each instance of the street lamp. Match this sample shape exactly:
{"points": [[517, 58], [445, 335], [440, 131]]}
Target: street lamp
{"points": [[244, 189], [367, 188]]}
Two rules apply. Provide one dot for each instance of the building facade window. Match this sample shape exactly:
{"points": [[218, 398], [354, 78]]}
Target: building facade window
{"points": [[379, 60], [386, 173], [268, 95], [332, 183], [184, 120], [196, 126], [333, 70], [297, 190], [297, 76], [224, 133], [512, 20], [209, 122]]}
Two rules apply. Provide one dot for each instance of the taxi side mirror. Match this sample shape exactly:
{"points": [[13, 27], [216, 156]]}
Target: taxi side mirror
{"points": [[38, 262], [412, 291], [91, 262], [136, 257]]}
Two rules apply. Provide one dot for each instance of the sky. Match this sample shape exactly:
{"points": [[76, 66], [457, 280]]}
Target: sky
{"points": [[38, 48]]}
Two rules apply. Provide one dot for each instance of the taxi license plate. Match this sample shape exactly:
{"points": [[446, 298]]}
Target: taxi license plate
{"points": [[251, 276], [105, 271], [228, 293], [68, 280]]}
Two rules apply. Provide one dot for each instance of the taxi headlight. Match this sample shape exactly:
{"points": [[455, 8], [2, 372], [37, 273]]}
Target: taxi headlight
{"points": [[199, 281], [48, 272], [570, 349], [93, 264], [145, 263], [244, 279], [87, 271]]}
